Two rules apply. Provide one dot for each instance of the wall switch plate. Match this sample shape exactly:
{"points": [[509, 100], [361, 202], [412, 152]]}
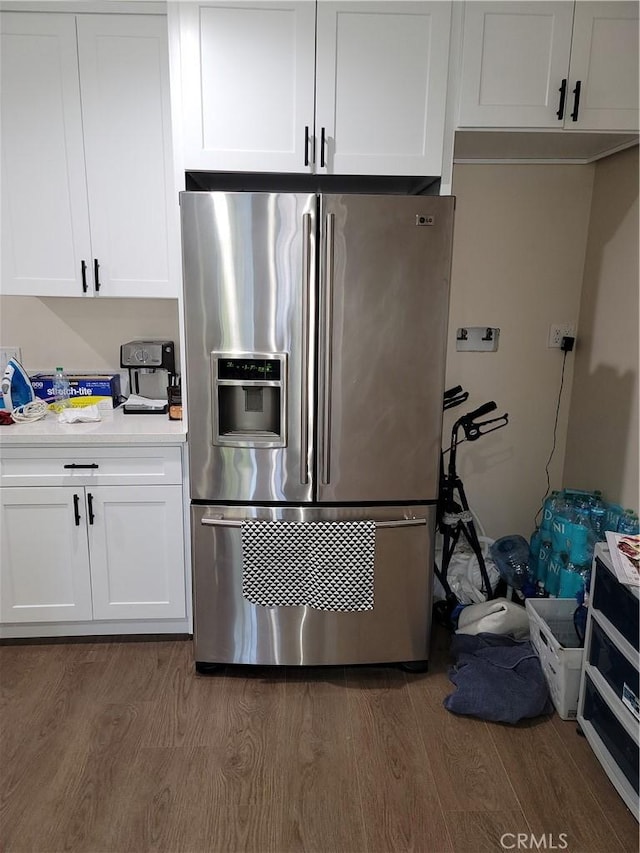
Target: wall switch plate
{"points": [[477, 339], [558, 331], [9, 352]]}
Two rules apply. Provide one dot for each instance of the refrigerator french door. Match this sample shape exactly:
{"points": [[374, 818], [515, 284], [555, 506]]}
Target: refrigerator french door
{"points": [[315, 337]]}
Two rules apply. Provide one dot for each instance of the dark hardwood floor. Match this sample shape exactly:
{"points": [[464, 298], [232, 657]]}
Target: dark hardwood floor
{"points": [[122, 747]]}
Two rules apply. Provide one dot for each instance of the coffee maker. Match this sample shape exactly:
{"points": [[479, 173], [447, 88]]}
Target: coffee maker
{"points": [[151, 366]]}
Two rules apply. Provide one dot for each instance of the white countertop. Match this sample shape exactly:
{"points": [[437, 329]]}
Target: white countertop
{"points": [[114, 428]]}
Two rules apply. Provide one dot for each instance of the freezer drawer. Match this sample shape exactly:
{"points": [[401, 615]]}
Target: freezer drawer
{"points": [[229, 629]]}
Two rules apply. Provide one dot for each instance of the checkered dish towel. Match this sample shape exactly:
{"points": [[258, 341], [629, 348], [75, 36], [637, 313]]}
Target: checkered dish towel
{"points": [[328, 565]]}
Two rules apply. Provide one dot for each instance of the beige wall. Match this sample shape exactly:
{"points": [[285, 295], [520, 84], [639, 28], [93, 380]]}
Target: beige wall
{"points": [[82, 334], [519, 248], [602, 439]]}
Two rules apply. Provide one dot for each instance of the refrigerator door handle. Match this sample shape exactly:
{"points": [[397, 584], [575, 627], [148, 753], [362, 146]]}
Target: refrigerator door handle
{"points": [[306, 297], [327, 366], [234, 522]]}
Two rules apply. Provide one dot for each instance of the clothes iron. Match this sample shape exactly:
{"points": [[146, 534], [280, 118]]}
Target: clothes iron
{"points": [[16, 386]]}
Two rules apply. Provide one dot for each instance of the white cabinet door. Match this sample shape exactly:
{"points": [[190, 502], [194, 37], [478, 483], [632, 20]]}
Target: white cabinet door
{"points": [[44, 574], [381, 87], [515, 57], [88, 202], [124, 77], [247, 85], [604, 59], [45, 218], [137, 560]]}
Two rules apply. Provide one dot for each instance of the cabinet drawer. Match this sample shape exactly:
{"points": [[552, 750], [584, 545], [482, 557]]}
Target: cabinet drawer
{"points": [[84, 465], [616, 740], [617, 671], [619, 605]]}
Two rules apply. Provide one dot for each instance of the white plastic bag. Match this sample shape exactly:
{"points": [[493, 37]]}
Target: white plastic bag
{"points": [[80, 415], [463, 574]]}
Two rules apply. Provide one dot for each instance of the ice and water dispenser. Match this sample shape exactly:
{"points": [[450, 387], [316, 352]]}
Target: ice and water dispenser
{"points": [[249, 399]]}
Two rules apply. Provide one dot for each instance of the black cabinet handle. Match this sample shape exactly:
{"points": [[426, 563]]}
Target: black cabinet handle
{"points": [[96, 274], [90, 502], [306, 145], [563, 97], [76, 465], [83, 267], [322, 147], [576, 100], [76, 509]]}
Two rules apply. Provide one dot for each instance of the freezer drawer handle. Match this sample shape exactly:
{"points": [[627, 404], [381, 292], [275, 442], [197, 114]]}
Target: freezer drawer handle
{"points": [[221, 522], [234, 522]]}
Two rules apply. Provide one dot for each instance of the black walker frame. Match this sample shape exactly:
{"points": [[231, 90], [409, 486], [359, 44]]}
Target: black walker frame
{"points": [[454, 517]]}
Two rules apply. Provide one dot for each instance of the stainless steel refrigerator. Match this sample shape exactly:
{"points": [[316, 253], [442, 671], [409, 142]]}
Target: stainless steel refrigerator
{"points": [[315, 339]]}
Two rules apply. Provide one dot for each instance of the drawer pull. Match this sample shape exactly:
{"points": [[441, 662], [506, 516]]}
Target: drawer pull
{"points": [[76, 509], [75, 465]]}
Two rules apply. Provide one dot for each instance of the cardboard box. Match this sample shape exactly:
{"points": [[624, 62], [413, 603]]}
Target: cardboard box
{"points": [[101, 390]]}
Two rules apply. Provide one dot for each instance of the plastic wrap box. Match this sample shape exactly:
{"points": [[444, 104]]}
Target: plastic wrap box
{"points": [[101, 390], [555, 640]]}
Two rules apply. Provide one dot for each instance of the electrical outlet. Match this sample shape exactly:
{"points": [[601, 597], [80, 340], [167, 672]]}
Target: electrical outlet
{"points": [[9, 352], [558, 331]]}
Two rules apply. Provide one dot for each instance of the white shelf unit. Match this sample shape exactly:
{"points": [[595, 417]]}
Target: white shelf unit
{"points": [[610, 668]]}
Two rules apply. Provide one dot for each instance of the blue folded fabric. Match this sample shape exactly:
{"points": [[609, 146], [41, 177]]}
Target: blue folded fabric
{"points": [[497, 678]]}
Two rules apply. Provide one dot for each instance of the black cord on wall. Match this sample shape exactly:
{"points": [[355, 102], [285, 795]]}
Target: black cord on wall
{"points": [[555, 430]]}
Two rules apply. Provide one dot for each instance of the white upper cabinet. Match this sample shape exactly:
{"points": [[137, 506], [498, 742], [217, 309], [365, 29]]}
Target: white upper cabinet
{"points": [[45, 216], [381, 75], [326, 87], [550, 65], [124, 81], [247, 85], [88, 187], [514, 58], [604, 60]]}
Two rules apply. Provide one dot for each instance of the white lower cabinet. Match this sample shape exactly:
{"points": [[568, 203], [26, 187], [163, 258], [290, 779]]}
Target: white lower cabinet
{"points": [[86, 552], [44, 574], [135, 547]]}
